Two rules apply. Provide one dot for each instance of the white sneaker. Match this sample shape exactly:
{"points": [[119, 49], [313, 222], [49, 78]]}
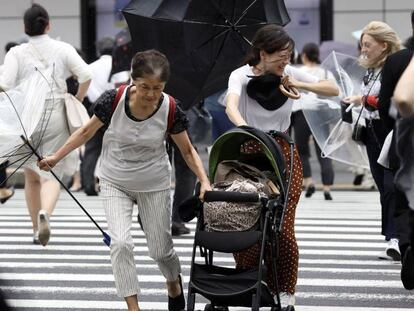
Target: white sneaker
{"points": [[44, 227], [393, 249], [36, 237], [286, 299], [383, 255]]}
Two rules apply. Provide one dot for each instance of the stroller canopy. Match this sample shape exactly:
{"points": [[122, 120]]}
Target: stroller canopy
{"points": [[229, 147]]}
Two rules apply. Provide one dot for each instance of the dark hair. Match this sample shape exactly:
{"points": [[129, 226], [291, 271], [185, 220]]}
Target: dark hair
{"points": [[148, 63], [270, 38], [105, 46], [9, 45], [36, 20], [311, 50]]}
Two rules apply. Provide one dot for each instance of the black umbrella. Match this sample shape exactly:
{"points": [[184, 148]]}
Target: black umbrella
{"points": [[204, 40]]}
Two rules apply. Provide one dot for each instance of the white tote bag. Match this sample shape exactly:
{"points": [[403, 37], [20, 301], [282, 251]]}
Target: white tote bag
{"points": [[76, 114]]}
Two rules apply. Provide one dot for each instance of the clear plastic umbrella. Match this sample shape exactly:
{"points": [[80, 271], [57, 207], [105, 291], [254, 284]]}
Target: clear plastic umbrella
{"points": [[324, 115], [23, 121], [22, 113]]}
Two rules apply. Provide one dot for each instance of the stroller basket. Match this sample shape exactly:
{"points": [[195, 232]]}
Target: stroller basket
{"points": [[226, 286], [227, 242]]}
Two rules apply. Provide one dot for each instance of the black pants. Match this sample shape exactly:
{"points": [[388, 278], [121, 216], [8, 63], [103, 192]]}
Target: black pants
{"points": [[93, 149], [302, 134], [3, 175], [384, 178], [185, 180], [402, 221]]}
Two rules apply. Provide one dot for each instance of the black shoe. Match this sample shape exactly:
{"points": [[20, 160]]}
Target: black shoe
{"points": [[358, 179], [309, 191], [178, 229], [177, 303], [4, 199], [90, 191], [407, 269], [327, 195]]}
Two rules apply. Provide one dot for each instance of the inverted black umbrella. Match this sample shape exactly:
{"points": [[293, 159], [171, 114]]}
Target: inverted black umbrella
{"points": [[204, 40]]}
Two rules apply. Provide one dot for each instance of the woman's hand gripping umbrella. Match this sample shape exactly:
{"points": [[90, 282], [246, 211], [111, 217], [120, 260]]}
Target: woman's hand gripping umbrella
{"points": [[326, 118]]}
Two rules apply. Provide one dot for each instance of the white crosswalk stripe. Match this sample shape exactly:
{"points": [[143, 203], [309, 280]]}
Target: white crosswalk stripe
{"points": [[339, 270]]}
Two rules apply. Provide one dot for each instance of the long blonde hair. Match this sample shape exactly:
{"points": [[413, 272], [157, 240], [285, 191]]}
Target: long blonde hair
{"points": [[383, 33]]}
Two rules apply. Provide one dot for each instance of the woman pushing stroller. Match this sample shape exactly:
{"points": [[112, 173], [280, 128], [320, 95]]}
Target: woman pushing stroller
{"points": [[249, 102], [134, 167]]}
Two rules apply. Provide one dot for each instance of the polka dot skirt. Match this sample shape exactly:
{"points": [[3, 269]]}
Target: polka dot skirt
{"points": [[288, 261]]}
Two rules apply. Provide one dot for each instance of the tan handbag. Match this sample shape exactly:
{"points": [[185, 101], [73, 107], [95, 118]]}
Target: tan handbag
{"points": [[76, 113]]}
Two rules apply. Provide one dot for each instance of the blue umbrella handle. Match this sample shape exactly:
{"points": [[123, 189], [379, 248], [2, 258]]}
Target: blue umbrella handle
{"points": [[107, 239]]}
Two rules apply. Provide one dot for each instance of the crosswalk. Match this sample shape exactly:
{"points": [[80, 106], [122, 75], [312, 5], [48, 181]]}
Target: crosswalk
{"points": [[339, 269]]}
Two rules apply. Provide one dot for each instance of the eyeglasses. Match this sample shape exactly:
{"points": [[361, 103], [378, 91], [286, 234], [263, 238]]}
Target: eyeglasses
{"points": [[280, 58]]}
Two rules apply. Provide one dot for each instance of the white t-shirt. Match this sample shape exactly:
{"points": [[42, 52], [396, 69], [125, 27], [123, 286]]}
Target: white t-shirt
{"points": [[251, 111], [101, 70], [373, 87]]}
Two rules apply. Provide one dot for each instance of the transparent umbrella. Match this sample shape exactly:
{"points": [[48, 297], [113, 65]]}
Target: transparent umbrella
{"points": [[324, 115], [23, 122]]}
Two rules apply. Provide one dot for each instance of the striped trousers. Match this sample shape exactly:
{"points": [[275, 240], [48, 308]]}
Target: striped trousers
{"points": [[154, 209]]}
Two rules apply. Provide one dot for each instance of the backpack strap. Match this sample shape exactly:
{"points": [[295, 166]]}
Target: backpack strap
{"points": [[171, 112], [118, 96]]}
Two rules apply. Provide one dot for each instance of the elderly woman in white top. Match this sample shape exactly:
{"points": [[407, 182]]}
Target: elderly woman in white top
{"points": [[42, 190], [271, 52]]}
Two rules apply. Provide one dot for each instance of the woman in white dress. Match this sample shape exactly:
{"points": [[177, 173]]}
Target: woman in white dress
{"points": [[41, 189]]}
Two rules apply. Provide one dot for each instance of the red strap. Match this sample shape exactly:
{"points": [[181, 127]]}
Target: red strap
{"points": [[171, 112], [118, 96]]}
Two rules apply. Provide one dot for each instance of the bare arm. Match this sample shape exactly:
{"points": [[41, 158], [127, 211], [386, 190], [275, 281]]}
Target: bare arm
{"points": [[192, 159], [404, 91], [82, 89], [77, 139], [323, 87], [232, 109]]}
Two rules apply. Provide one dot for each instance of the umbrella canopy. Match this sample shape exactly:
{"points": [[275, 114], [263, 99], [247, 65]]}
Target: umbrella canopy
{"points": [[327, 47], [22, 112], [204, 40], [324, 116]]}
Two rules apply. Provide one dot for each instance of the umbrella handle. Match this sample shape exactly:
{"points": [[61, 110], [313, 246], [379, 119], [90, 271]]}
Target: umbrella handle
{"points": [[107, 238], [290, 92]]}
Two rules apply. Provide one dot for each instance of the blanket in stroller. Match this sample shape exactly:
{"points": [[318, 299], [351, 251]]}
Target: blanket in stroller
{"points": [[228, 216]]}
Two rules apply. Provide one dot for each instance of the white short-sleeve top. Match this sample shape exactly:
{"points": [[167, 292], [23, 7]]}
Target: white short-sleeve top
{"points": [[251, 111], [41, 52]]}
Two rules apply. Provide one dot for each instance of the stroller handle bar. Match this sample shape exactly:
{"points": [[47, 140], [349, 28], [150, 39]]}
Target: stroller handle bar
{"points": [[230, 196]]}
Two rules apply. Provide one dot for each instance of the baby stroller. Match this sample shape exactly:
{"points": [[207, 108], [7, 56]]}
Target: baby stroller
{"points": [[224, 286]]}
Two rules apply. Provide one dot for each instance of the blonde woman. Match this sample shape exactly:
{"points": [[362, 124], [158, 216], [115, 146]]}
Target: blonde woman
{"points": [[378, 41]]}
